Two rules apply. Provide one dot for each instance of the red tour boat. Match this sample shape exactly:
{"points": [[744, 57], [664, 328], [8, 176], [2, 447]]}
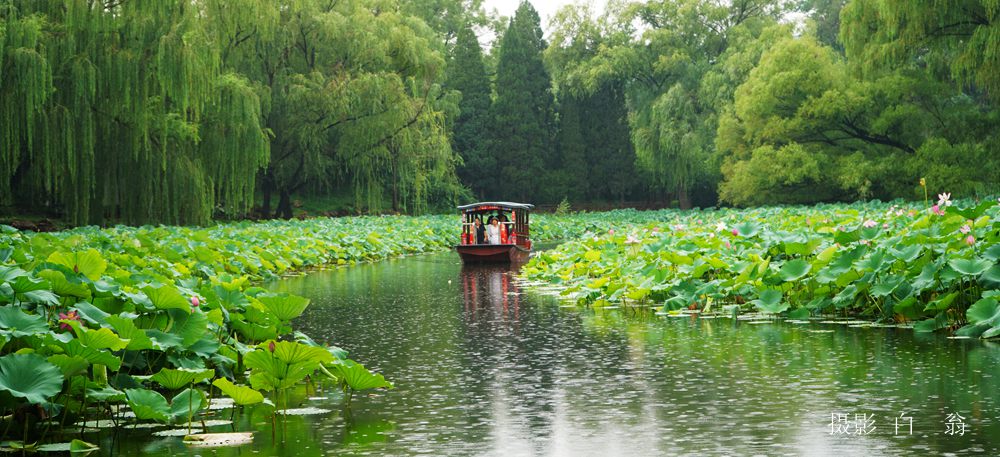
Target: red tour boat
{"points": [[515, 240]]}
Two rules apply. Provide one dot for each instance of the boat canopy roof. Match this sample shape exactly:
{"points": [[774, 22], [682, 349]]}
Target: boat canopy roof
{"points": [[486, 206]]}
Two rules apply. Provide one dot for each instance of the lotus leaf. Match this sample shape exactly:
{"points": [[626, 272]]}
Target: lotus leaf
{"points": [[102, 338], [189, 327], [91, 313], [30, 377], [794, 269], [150, 405], [88, 263], [95, 356], [17, 323], [175, 379], [769, 301], [970, 267], [242, 395], [278, 365], [167, 297], [357, 377], [137, 338], [64, 286], [284, 306]]}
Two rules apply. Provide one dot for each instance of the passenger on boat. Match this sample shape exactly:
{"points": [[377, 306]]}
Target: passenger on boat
{"points": [[493, 231], [480, 231]]}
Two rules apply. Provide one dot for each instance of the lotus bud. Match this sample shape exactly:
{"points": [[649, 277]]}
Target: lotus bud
{"points": [[195, 301], [270, 347]]}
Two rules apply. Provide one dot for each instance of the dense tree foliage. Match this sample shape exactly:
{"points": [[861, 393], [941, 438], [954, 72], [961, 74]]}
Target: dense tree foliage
{"points": [[115, 110], [724, 97], [467, 75], [181, 111], [523, 114], [170, 111]]}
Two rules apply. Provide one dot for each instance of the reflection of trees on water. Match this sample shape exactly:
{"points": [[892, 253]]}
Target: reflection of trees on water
{"points": [[538, 373]]}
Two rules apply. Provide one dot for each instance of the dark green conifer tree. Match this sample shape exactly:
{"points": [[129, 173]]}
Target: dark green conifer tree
{"points": [[610, 154], [524, 110], [467, 74]]}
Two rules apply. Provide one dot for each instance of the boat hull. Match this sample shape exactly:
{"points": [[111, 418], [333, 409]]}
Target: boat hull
{"points": [[492, 253]]}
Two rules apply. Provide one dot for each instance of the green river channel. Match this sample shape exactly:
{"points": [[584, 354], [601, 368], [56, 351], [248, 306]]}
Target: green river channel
{"points": [[483, 367]]}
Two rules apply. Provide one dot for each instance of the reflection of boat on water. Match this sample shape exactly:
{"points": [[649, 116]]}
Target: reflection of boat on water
{"points": [[490, 288], [515, 236]]}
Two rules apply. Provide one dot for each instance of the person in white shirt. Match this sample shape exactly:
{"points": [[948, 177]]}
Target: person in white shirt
{"points": [[493, 231]]}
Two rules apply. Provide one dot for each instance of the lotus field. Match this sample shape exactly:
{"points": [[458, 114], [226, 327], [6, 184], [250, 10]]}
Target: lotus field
{"points": [[895, 263], [152, 318]]}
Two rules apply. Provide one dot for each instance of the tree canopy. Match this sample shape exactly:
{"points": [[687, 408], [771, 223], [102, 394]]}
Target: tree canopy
{"points": [[185, 111]]}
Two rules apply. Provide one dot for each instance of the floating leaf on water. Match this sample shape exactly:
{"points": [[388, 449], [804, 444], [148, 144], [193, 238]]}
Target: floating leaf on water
{"points": [[310, 411], [219, 439], [213, 422], [221, 403], [77, 447], [136, 425], [103, 423], [183, 431]]}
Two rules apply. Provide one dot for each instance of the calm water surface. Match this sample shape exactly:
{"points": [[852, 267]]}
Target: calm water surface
{"points": [[484, 368]]}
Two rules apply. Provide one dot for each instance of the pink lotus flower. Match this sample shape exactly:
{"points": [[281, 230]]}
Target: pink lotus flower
{"points": [[70, 316], [970, 240], [870, 223], [611, 231], [678, 226], [631, 240], [195, 301], [728, 245], [944, 199], [937, 210], [885, 226], [736, 233], [720, 226], [965, 229]]}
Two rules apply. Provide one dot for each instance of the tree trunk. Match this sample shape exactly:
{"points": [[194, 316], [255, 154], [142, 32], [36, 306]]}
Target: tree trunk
{"points": [[267, 187], [285, 205], [395, 190], [683, 198]]}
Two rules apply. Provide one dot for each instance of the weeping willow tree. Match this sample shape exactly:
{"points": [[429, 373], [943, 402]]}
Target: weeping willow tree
{"points": [[120, 111], [353, 98], [958, 36]]}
